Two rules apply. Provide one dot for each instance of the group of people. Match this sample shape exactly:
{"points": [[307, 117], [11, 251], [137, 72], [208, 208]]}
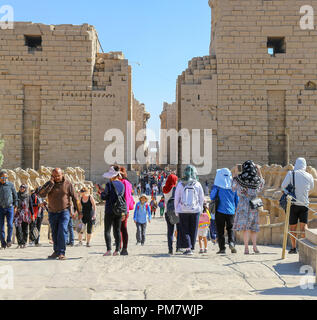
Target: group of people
{"points": [[187, 214], [25, 209]]}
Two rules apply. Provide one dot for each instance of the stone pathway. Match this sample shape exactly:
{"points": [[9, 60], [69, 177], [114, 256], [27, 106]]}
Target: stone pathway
{"points": [[149, 273]]}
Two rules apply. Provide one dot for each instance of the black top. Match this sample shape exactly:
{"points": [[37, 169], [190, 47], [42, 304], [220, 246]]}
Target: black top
{"points": [[110, 195], [86, 208]]}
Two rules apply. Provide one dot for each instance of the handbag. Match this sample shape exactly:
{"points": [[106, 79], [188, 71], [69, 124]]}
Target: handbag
{"points": [[256, 203], [214, 204], [34, 233], [80, 227], [291, 191]]}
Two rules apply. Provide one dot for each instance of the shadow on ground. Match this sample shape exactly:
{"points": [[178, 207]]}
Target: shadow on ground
{"points": [[295, 291]]}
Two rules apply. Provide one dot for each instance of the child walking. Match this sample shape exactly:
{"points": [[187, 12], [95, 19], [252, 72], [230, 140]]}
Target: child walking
{"points": [[153, 205], [142, 214], [203, 228], [162, 206]]}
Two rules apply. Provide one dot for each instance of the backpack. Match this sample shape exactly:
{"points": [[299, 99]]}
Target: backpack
{"points": [[120, 206], [189, 199], [204, 221], [170, 209]]}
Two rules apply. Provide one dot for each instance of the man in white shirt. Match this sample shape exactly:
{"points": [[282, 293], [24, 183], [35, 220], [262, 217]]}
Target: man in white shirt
{"points": [[304, 184]]}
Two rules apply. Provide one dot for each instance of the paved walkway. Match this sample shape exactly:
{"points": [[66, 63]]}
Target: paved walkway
{"points": [[149, 273]]}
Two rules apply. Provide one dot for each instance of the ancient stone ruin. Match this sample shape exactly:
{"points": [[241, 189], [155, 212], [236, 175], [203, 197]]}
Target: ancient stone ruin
{"points": [[35, 179]]}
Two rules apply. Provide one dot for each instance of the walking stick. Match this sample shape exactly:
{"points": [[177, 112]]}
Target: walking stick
{"points": [[288, 211]]}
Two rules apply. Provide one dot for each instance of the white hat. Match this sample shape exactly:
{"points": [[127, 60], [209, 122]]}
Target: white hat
{"points": [[112, 173]]}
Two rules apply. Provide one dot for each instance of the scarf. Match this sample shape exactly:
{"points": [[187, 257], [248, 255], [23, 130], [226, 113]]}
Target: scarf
{"points": [[223, 179], [190, 174], [249, 177], [171, 182], [300, 164]]}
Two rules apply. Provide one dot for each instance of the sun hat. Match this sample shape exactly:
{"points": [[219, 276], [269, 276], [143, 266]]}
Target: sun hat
{"points": [[143, 196], [112, 173]]}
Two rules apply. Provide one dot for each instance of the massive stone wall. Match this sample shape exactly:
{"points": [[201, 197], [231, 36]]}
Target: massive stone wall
{"points": [[259, 95], [140, 118], [254, 96], [167, 144], [55, 84]]}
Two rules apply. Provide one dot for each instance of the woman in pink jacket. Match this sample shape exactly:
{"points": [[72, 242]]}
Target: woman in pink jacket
{"points": [[130, 206]]}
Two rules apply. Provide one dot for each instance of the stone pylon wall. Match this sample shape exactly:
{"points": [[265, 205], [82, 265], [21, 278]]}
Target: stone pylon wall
{"points": [[248, 77], [74, 93], [253, 97]]}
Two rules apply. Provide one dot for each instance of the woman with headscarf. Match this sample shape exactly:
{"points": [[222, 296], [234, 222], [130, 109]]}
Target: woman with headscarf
{"points": [[189, 201], [247, 184], [23, 216], [226, 208], [168, 189], [130, 206], [304, 183], [115, 209]]}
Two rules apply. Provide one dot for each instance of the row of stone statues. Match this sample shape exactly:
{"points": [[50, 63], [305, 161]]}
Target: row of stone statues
{"points": [[35, 179]]}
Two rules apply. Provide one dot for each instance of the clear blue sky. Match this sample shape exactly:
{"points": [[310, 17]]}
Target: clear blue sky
{"points": [[161, 35]]}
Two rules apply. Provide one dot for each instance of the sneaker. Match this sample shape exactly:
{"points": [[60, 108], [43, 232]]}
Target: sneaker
{"points": [[79, 244], [205, 251], [221, 251], [188, 252], [116, 253], [88, 245], [9, 244], [124, 252], [108, 253], [137, 243], [38, 245], [293, 251], [232, 248], [201, 251], [53, 256], [178, 250], [170, 252], [142, 243]]}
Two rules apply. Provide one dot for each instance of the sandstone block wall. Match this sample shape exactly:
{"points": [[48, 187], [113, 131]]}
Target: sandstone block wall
{"points": [[64, 88], [254, 96]]}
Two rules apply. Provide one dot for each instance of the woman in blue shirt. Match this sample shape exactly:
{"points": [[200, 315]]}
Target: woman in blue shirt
{"points": [[226, 208]]}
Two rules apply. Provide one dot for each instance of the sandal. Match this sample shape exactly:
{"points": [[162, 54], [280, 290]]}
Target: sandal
{"points": [[256, 251], [246, 251], [62, 257]]}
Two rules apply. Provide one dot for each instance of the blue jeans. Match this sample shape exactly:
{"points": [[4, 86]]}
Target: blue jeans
{"points": [[7, 213], [70, 234], [59, 224]]}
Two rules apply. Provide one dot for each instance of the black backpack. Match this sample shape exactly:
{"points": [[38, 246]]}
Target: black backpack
{"points": [[170, 209], [119, 208]]}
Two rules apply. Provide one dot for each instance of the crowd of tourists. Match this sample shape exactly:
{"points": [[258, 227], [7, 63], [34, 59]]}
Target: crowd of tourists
{"points": [[233, 206]]}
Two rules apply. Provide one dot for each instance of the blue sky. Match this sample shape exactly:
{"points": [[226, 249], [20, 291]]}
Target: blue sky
{"points": [[160, 35]]}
